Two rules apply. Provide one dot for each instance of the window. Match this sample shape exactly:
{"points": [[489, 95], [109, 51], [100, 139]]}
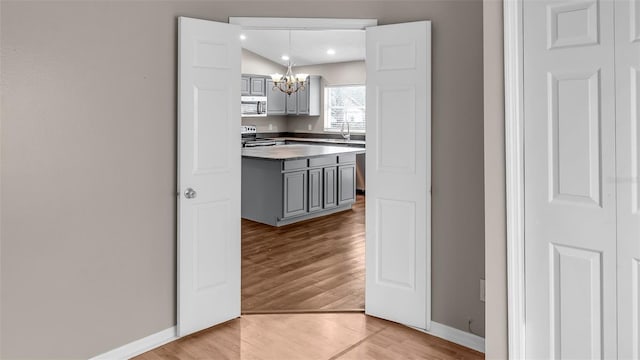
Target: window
{"points": [[344, 103]]}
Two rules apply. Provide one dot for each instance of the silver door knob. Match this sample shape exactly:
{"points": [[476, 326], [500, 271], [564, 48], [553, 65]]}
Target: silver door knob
{"points": [[190, 193]]}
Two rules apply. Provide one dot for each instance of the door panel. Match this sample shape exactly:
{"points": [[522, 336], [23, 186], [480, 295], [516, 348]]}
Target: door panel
{"points": [[208, 163], [628, 171], [330, 187], [398, 173], [570, 207]]}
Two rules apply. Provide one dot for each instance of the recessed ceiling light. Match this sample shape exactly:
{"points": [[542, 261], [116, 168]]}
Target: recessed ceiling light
{"points": [[243, 37], [285, 57], [331, 52]]}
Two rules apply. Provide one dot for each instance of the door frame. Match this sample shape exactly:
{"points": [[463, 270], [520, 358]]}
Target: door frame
{"points": [[273, 23], [514, 166]]}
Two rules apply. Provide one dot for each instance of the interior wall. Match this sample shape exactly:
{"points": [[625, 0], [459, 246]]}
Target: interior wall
{"points": [[344, 73], [494, 183], [88, 158], [253, 63]]}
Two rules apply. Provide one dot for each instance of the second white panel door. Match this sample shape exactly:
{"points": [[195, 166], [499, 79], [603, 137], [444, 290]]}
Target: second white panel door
{"points": [[570, 191]]}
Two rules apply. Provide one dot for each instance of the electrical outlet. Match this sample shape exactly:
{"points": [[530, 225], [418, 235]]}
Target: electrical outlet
{"points": [[482, 290], [270, 126], [309, 127]]}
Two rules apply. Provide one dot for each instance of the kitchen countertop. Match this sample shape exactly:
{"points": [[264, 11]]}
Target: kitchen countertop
{"points": [[322, 140], [290, 152]]}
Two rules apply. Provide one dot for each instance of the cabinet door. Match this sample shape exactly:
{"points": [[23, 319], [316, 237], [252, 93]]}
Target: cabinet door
{"points": [[276, 100], [292, 104], [330, 187], [244, 85], [257, 86], [303, 99], [346, 184], [315, 190], [295, 193]]}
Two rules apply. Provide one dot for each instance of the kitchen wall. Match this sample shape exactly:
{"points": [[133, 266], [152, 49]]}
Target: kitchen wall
{"points": [[344, 73], [88, 157], [253, 63]]}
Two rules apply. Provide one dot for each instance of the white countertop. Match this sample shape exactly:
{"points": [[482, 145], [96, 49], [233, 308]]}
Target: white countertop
{"points": [[290, 152]]}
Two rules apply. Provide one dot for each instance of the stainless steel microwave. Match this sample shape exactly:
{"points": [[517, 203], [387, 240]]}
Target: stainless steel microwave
{"points": [[253, 106]]}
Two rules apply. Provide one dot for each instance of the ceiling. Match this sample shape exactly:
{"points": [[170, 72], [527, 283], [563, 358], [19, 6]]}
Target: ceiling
{"points": [[308, 47]]}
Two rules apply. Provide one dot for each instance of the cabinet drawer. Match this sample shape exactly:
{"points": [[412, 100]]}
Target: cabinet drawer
{"points": [[295, 164], [322, 161], [347, 158]]}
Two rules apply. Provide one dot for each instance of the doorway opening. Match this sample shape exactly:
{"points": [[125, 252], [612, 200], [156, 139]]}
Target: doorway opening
{"points": [[308, 255]]}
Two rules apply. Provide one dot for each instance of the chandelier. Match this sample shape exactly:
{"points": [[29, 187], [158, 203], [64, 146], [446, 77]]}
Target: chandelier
{"points": [[289, 83]]}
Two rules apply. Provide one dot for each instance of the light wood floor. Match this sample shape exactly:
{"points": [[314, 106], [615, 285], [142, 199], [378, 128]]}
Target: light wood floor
{"points": [[310, 336], [313, 265]]}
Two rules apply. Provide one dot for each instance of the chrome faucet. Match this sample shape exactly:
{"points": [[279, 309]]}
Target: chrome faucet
{"points": [[348, 135]]}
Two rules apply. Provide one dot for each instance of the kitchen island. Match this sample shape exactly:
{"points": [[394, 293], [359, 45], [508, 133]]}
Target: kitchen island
{"points": [[284, 184]]}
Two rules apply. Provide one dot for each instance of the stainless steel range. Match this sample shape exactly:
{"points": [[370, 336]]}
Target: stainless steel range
{"points": [[250, 139]]}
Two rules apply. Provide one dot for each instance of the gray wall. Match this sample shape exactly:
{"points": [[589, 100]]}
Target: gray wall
{"points": [[88, 164], [494, 183]]}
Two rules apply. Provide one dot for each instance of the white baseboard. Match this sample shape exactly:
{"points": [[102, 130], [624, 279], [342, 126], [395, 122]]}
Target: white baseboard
{"points": [[459, 337], [139, 346]]}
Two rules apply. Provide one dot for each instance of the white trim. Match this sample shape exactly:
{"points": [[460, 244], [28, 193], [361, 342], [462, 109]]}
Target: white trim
{"points": [[456, 336], [140, 346], [261, 23], [514, 147]]}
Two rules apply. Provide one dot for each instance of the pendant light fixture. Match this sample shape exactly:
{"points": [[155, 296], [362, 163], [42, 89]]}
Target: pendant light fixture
{"points": [[288, 83]]}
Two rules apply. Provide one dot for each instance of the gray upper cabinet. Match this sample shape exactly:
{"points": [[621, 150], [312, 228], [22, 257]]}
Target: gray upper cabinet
{"points": [[292, 104], [307, 101], [252, 85], [257, 86], [302, 102], [245, 86], [276, 100]]}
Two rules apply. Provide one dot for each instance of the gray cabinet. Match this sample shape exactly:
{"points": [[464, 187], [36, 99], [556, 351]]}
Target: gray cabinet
{"points": [[252, 85], [330, 199], [307, 101], [245, 86], [276, 100], [281, 192], [346, 184], [257, 86], [315, 189], [295, 193], [292, 104], [303, 99]]}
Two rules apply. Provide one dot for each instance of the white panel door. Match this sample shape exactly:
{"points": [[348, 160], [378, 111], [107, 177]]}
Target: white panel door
{"points": [[208, 174], [398, 65], [570, 198], [628, 163]]}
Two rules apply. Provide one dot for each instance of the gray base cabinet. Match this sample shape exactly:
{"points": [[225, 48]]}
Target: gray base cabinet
{"points": [[295, 193], [347, 179], [281, 192]]}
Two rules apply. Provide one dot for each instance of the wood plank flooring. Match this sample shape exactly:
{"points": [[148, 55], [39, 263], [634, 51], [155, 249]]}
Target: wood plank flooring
{"points": [[313, 265], [310, 336]]}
